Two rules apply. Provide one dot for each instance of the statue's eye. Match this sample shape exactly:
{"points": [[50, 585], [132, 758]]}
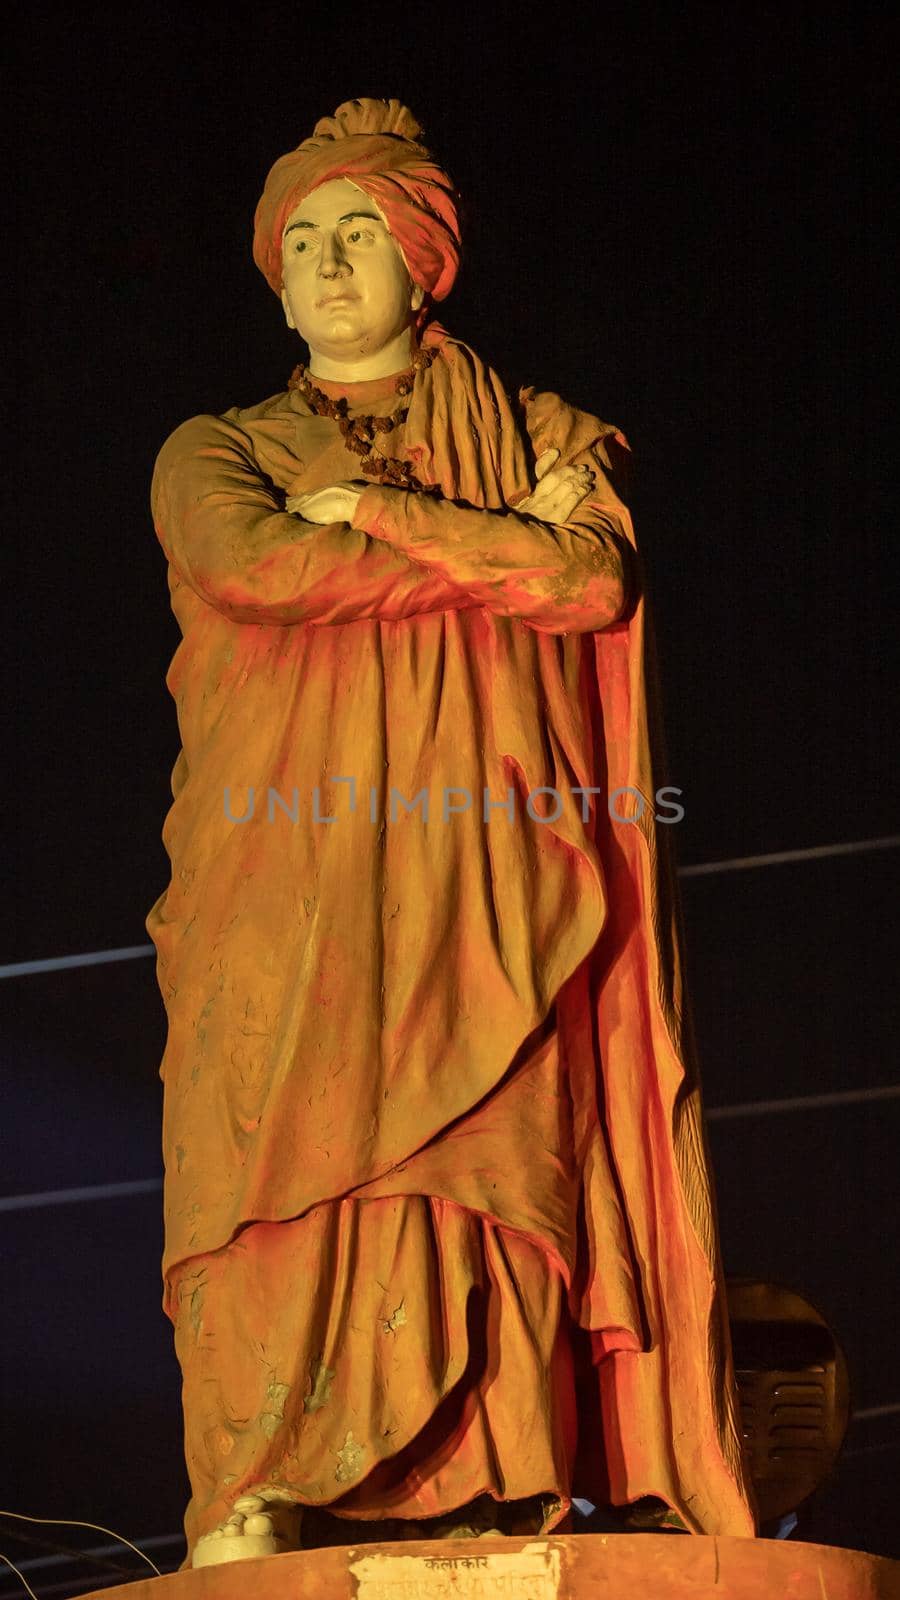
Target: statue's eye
{"points": [[300, 245]]}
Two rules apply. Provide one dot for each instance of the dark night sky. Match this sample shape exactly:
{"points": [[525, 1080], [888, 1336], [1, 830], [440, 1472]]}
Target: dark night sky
{"points": [[674, 224], [676, 218]]}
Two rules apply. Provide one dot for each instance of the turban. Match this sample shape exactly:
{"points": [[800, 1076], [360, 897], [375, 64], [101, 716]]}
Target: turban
{"points": [[373, 143]]}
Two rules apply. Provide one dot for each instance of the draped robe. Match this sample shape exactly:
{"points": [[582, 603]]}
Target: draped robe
{"points": [[477, 1010]]}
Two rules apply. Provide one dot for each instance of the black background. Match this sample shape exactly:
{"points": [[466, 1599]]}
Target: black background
{"points": [[676, 217]]}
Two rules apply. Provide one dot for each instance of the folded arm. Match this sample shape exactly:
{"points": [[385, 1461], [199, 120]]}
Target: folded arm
{"points": [[558, 578], [222, 527]]}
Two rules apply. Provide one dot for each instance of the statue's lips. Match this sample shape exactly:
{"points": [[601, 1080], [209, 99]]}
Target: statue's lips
{"points": [[335, 299]]}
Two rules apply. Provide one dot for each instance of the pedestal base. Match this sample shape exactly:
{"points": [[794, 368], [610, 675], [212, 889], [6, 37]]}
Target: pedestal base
{"points": [[571, 1567]]}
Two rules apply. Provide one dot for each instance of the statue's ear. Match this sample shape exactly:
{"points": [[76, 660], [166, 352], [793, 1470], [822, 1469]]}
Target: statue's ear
{"points": [[417, 297], [287, 310]]}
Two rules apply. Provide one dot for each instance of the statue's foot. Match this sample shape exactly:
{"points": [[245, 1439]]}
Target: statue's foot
{"points": [[479, 1519], [257, 1527], [651, 1515], [457, 1530]]}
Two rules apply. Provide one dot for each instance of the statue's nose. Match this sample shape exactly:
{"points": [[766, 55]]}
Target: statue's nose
{"points": [[333, 263]]}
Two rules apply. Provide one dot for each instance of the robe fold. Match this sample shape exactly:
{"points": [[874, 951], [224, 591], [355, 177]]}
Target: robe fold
{"points": [[407, 952]]}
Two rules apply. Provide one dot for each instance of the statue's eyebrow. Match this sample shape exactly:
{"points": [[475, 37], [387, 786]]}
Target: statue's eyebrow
{"points": [[349, 217]]}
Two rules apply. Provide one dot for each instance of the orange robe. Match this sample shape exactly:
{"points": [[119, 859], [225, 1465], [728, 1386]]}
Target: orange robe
{"points": [[427, 1089]]}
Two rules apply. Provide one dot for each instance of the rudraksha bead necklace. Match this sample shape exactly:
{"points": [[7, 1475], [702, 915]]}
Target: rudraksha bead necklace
{"points": [[360, 432]]}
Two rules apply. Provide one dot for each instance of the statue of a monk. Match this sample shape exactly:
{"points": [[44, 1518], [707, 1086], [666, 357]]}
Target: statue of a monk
{"points": [[441, 1250]]}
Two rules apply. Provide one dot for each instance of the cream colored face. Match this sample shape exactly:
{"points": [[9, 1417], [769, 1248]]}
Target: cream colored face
{"points": [[347, 290]]}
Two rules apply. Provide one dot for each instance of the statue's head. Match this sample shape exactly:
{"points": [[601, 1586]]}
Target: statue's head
{"points": [[345, 281], [357, 229]]}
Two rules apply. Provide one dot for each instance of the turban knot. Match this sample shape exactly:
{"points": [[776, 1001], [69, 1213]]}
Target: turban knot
{"points": [[374, 144]]}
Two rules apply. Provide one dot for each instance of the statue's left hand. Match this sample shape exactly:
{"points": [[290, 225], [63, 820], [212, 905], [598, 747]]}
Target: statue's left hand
{"points": [[337, 503]]}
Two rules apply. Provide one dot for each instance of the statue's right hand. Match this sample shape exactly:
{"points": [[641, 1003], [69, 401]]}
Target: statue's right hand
{"points": [[337, 503], [559, 489]]}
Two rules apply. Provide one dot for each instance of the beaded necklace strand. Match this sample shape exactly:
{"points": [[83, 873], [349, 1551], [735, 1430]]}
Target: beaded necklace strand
{"points": [[360, 432]]}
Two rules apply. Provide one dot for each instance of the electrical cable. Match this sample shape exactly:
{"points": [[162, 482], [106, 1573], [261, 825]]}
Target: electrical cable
{"points": [[702, 869], [97, 1555], [20, 1575], [71, 1522]]}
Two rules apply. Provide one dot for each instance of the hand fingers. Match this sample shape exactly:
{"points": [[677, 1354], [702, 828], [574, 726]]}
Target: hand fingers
{"points": [[558, 475], [305, 505], [544, 462], [581, 476], [560, 492], [561, 507], [566, 480], [355, 484]]}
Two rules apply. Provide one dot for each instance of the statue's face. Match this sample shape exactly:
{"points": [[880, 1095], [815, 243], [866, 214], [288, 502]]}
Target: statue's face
{"points": [[346, 289]]}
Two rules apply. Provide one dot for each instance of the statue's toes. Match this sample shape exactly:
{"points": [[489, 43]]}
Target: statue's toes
{"points": [[258, 1522], [249, 1503]]}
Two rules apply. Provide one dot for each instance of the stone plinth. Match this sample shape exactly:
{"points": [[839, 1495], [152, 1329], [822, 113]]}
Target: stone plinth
{"points": [[570, 1567]]}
